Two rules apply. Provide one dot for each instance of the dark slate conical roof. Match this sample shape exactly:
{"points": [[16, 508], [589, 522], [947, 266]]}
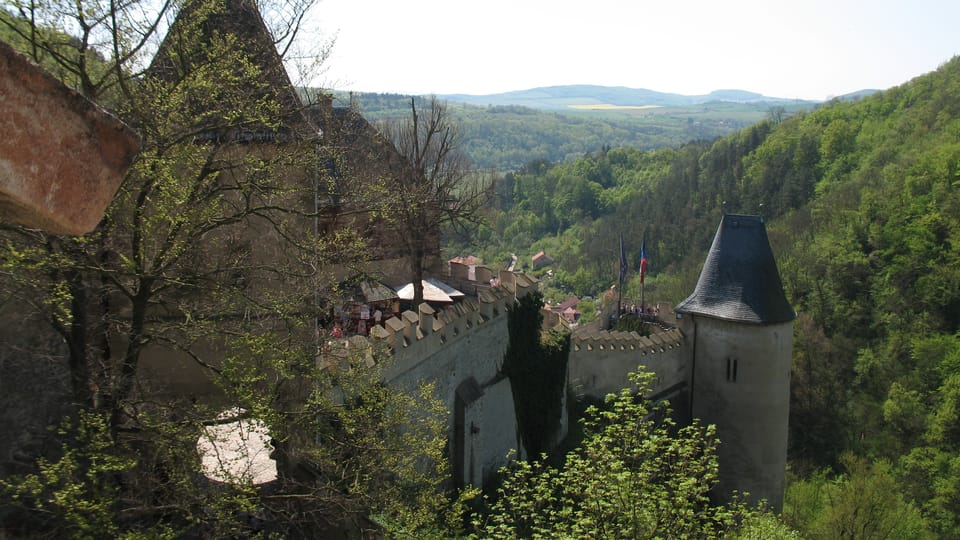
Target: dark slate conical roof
{"points": [[739, 281]]}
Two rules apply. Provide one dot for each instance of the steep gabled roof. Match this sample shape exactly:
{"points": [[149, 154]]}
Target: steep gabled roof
{"points": [[200, 21], [566, 304], [739, 281]]}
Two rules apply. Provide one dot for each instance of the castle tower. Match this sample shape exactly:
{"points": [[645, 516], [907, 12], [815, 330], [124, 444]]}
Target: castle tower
{"points": [[741, 327]]}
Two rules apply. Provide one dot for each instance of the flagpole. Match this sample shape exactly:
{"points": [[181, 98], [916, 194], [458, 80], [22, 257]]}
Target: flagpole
{"points": [[619, 299], [643, 304], [623, 273], [643, 273]]}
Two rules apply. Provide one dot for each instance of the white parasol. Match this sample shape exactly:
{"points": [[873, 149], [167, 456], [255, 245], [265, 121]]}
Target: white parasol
{"points": [[431, 292]]}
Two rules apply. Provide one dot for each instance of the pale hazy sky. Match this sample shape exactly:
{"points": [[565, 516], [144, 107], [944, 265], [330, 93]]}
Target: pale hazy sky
{"points": [[797, 49]]}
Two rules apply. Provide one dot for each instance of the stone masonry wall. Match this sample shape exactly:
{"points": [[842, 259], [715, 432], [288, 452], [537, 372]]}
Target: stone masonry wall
{"points": [[601, 360], [461, 346]]}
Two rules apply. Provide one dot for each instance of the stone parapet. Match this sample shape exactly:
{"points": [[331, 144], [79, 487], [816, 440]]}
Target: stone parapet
{"points": [[600, 360], [417, 335], [606, 340], [450, 323]]}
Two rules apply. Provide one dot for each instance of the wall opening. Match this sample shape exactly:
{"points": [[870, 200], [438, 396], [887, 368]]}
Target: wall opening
{"points": [[731, 369]]}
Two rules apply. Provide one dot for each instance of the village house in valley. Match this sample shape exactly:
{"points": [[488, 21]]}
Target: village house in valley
{"points": [[541, 260]]}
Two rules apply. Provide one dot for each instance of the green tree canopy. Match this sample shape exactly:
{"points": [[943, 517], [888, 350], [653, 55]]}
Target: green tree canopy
{"points": [[635, 475]]}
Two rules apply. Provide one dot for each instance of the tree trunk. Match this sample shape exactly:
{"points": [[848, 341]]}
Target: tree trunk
{"points": [[131, 358], [77, 341], [417, 264]]}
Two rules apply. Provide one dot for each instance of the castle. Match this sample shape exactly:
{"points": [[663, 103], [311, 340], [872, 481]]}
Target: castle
{"points": [[726, 363]]}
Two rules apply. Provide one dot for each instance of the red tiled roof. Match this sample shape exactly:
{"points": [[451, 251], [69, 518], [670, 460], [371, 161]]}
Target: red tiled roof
{"points": [[468, 260], [566, 304]]}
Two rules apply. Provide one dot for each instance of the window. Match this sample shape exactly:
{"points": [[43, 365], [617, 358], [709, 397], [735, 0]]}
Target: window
{"points": [[731, 369]]}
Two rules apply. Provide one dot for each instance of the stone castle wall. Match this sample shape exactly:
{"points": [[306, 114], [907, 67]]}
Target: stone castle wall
{"points": [[600, 361], [741, 383], [460, 349]]}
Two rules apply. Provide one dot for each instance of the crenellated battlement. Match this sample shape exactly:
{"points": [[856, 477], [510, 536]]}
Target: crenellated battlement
{"points": [[606, 340], [415, 336], [458, 349], [601, 359]]}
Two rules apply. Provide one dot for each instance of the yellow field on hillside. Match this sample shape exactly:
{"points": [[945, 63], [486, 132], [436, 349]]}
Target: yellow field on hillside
{"points": [[609, 107]]}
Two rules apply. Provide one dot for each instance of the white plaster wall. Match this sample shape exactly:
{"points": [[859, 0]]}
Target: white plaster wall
{"points": [[474, 352], [496, 434], [752, 411]]}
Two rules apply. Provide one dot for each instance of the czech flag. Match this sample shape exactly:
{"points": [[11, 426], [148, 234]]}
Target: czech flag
{"points": [[643, 259]]}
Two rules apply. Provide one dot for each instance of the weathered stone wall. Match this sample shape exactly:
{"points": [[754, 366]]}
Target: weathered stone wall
{"points": [[61, 156], [448, 358], [468, 346], [601, 360], [34, 391], [741, 383], [459, 349], [734, 375], [490, 433]]}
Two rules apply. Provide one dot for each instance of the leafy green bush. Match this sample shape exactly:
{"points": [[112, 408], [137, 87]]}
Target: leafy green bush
{"points": [[635, 475]]}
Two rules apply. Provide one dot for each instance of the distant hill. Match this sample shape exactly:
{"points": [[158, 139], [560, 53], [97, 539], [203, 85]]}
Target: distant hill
{"points": [[560, 123], [578, 96]]}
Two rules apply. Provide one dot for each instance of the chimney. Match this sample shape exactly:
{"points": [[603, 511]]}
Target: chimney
{"points": [[459, 271], [483, 274]]}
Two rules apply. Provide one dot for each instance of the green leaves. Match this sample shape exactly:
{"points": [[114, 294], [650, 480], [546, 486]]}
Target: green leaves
{"points": [[864, 503], [635, 475], [537, 367], [79, 489]]}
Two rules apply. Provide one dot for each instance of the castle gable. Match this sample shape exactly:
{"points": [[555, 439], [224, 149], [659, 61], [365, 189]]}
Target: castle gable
{"points": [[200, 23]]}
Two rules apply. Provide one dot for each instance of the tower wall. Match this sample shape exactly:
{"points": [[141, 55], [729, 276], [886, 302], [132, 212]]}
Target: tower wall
{"points": [[741, 382]]}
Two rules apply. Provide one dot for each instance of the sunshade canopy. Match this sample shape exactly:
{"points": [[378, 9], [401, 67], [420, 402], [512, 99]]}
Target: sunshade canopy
{"points": [[433, 291], [374, 291]]}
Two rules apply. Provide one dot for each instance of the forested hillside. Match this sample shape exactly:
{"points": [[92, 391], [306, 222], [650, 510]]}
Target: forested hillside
{"points": [[573, 95], [507, 137], [862, 202]]}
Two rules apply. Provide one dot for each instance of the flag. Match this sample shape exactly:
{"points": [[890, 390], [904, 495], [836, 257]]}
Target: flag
{"points": [[623, 261], [643, 259]]}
